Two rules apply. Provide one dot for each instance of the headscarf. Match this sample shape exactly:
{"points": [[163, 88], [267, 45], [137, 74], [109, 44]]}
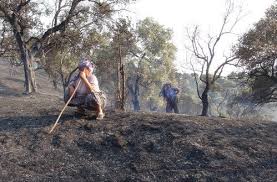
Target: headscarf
{"points": [[86, 63]]}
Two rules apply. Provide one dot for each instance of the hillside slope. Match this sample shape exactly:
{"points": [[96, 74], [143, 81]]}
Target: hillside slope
{"points": [[127, 146]]}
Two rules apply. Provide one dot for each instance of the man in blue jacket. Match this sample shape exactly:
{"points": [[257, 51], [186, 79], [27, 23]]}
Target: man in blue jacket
{"points": [[169, 93]]}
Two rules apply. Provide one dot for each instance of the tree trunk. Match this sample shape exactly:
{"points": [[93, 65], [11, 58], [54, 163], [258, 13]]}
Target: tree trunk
{"points": [[118, 93], [135, 92], [135, 99], [26, 57], [133, 87], [136, 95], [55, 84], [136, 104], [30, 83], [120, 103], [122, 73], [63, 82], [205, 102]]}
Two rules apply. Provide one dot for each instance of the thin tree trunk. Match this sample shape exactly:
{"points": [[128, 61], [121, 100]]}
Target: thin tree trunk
{"points": [[133, 88], [30, 72], [136, 95], [55, 84], [63, 81], [122, 88], [30, 83], [205, 102], [136, 104], [122, 80], [25, 56], [136, 98], [119, 94]]}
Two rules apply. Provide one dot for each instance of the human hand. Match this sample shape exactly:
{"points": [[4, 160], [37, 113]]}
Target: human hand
{"points": [[82, 75], [91, 89]]}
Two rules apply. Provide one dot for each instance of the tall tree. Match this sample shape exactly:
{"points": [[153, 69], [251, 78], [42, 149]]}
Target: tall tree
{"points": [[205, 52], [24, 18], [122, 42], [152, 61], [257, 53]]}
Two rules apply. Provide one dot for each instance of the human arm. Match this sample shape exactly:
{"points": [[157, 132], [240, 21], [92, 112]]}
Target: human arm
{"points": [[90, 86], [176, 90]]}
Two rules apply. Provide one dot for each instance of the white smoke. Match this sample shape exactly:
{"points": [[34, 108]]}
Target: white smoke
{"points": [[274, 115], [270, 111]]}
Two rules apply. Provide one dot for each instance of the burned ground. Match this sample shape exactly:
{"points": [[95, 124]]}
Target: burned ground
{"points": [[127, 146]]}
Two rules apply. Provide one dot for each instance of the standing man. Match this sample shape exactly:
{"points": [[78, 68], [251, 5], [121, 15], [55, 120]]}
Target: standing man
{"points": [[169, 93]]}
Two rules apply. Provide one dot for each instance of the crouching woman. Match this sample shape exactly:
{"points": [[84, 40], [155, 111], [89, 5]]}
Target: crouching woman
{"points": [[88, 95]]}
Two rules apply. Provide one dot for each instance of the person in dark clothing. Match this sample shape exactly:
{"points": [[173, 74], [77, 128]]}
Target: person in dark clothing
{"points": [[169, 93]]}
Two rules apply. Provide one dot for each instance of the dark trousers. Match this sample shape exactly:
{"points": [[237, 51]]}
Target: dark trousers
{"points": [[172, 104], [89, 101]]}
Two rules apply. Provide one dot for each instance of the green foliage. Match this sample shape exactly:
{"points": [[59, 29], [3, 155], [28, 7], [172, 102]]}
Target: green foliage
{"points": [[73, 21], [257, 52], [152, 59]]}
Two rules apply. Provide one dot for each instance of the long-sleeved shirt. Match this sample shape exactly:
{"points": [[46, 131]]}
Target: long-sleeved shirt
{"points": [[82, 89]]}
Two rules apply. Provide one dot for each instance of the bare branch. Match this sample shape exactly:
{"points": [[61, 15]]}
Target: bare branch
{"points": [[209, 44], [61, 26], [195, 44], [219, 69], [22, 4], [206, 51], [59, 7], [196, 81], [201, 74]]}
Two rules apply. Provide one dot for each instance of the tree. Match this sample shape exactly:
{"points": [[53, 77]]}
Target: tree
{"points": [[122, 41], [151, 62], [257, 53], [147, 54], [19, 16], [240, 106], [7, 45], [24, 18], [205, 53], [104, 56]]}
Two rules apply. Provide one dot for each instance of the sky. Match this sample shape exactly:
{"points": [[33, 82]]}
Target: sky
{"points": [[179, 14]]}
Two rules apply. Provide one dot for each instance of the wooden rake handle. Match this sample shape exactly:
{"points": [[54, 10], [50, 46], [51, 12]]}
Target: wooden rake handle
{"points": [[65, 107]]}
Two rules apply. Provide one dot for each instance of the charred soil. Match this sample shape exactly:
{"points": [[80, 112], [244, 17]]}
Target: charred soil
{"points": [[127, 146]]}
